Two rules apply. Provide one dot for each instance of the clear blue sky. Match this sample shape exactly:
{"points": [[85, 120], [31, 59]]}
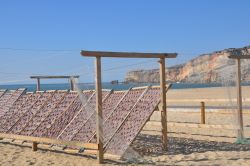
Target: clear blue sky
{"points": [[46, 36]]}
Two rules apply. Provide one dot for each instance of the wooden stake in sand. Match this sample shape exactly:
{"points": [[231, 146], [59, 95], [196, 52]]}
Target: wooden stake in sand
{"points": [[238, 57], [34, 146], [99, 120], [240, 133], [163, 104], [203, 117], [38, 85]]}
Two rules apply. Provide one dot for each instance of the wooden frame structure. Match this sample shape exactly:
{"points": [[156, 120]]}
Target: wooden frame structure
{"points": [[85, 148], [91, 148], [38, 78], [49, 141], [236, 55], [163, 105]]}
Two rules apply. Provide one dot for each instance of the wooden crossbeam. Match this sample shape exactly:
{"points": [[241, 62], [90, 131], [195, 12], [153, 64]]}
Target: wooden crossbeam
{"points": [[53, 77], [239, 56], [49, 141], [127, 54], [64, 149]]}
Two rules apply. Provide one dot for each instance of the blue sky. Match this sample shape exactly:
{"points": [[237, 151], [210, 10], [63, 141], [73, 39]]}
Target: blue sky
{"points": [[45, 37]]}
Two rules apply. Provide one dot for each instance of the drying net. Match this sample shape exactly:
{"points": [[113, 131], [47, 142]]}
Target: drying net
{"points": [[129, 97], [228, 80], [129, 107]]}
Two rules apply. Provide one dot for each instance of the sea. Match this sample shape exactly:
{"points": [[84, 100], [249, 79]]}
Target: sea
{"points": [[90, 86]]}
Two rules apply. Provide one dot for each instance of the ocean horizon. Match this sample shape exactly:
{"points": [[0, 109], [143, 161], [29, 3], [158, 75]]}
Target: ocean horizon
{"points": [[90, 86]]}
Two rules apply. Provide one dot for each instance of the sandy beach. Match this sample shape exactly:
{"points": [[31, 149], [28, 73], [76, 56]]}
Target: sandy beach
{"points": [[182, 152], [187, 145]]}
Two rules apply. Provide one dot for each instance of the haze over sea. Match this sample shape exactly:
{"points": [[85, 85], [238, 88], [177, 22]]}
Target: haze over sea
{"points": [[90, 86]]}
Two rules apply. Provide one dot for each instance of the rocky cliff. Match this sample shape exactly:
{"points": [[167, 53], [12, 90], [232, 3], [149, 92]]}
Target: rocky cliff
{"points": [[207, 68]]}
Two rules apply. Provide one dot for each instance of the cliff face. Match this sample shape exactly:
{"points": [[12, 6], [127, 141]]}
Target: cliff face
{"points": [[207, 68]]}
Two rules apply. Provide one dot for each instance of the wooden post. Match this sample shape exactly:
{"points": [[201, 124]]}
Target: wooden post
{"points": [[240, 132], [203, 118], [163, 105], [99, 120], [71, 83], [38, 86], [34, 146]]}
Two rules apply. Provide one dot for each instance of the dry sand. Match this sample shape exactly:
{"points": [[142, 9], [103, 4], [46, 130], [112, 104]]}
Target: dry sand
{"points": [[181, 152], [187, 146]]}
